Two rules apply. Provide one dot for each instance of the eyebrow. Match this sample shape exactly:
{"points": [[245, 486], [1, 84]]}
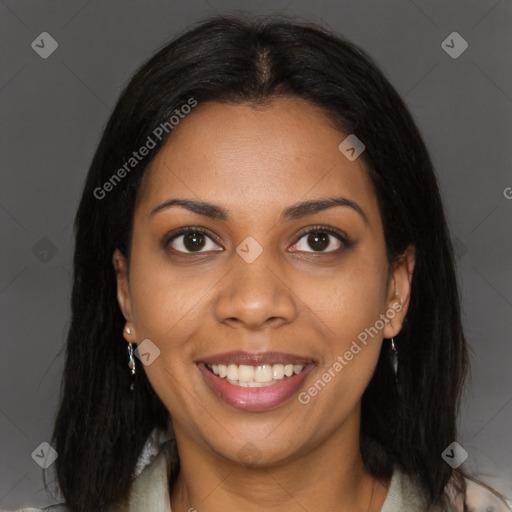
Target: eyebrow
{"points": [[296, 211]]}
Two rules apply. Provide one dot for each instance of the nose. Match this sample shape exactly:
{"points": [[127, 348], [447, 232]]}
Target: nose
{"points": [[255, 295]]}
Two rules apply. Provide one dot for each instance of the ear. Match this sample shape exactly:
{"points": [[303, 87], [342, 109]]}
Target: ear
{"points": [[123, 288], [399, 292]]}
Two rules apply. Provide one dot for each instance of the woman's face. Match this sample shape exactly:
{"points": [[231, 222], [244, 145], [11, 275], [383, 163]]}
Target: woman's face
{"points": [[296, 319]]}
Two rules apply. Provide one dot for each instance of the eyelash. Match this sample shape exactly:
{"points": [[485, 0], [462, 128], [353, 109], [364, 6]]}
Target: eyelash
{"points": [[338, 234]]}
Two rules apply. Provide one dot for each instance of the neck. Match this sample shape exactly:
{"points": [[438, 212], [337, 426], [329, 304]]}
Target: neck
{"points": [[329, 477]]}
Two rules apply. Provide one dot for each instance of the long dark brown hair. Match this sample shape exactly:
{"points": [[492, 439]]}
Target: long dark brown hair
{"points": [[101, 426]]}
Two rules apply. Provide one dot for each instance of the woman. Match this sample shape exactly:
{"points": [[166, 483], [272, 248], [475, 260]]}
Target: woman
{"points": [[265, 307]]}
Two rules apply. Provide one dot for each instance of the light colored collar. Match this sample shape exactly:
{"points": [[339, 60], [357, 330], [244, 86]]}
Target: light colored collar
{"points": [[150, 489], [403, 494]]}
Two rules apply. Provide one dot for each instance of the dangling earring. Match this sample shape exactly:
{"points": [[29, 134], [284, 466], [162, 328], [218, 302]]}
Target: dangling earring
{"points": [[131, 364], [394, 357]]}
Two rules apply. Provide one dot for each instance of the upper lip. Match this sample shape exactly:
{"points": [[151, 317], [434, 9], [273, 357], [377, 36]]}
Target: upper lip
{"points": [[255, 358]]}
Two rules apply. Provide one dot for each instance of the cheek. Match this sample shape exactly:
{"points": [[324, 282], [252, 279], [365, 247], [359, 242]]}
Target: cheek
{"points": [[348, 312], [349, 318], [165, 310], [165, 299], [350, 301]]}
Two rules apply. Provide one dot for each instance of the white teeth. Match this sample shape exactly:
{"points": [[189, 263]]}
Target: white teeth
{"points": [[246, 373], [232, 372], [278, 371], [255, 376], [263, 373]]}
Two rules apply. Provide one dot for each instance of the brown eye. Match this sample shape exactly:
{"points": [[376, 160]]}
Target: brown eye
{"points": [[191, 240], [319, 239]]}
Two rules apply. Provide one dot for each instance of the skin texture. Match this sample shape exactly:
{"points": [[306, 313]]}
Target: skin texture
{"points": [[294, 298]]}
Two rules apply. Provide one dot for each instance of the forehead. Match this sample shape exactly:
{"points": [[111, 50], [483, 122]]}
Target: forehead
{"points": [[255, 160]]}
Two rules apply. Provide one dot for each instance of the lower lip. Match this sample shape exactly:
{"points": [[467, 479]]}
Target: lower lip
{"points": [[254, 399]]}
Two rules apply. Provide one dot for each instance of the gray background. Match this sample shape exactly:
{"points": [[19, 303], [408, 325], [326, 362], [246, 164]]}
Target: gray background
{"points": [[53, 111]]}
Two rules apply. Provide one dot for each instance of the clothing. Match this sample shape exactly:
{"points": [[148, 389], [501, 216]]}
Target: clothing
{"points": [[149, 493]]}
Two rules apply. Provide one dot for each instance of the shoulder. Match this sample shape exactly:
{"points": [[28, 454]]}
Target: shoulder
{"points": [[405, 494], [484, 496], [149, 489]]}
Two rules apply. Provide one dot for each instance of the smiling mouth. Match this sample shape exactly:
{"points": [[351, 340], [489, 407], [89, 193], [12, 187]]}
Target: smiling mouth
{"points": [[258, 376]]}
